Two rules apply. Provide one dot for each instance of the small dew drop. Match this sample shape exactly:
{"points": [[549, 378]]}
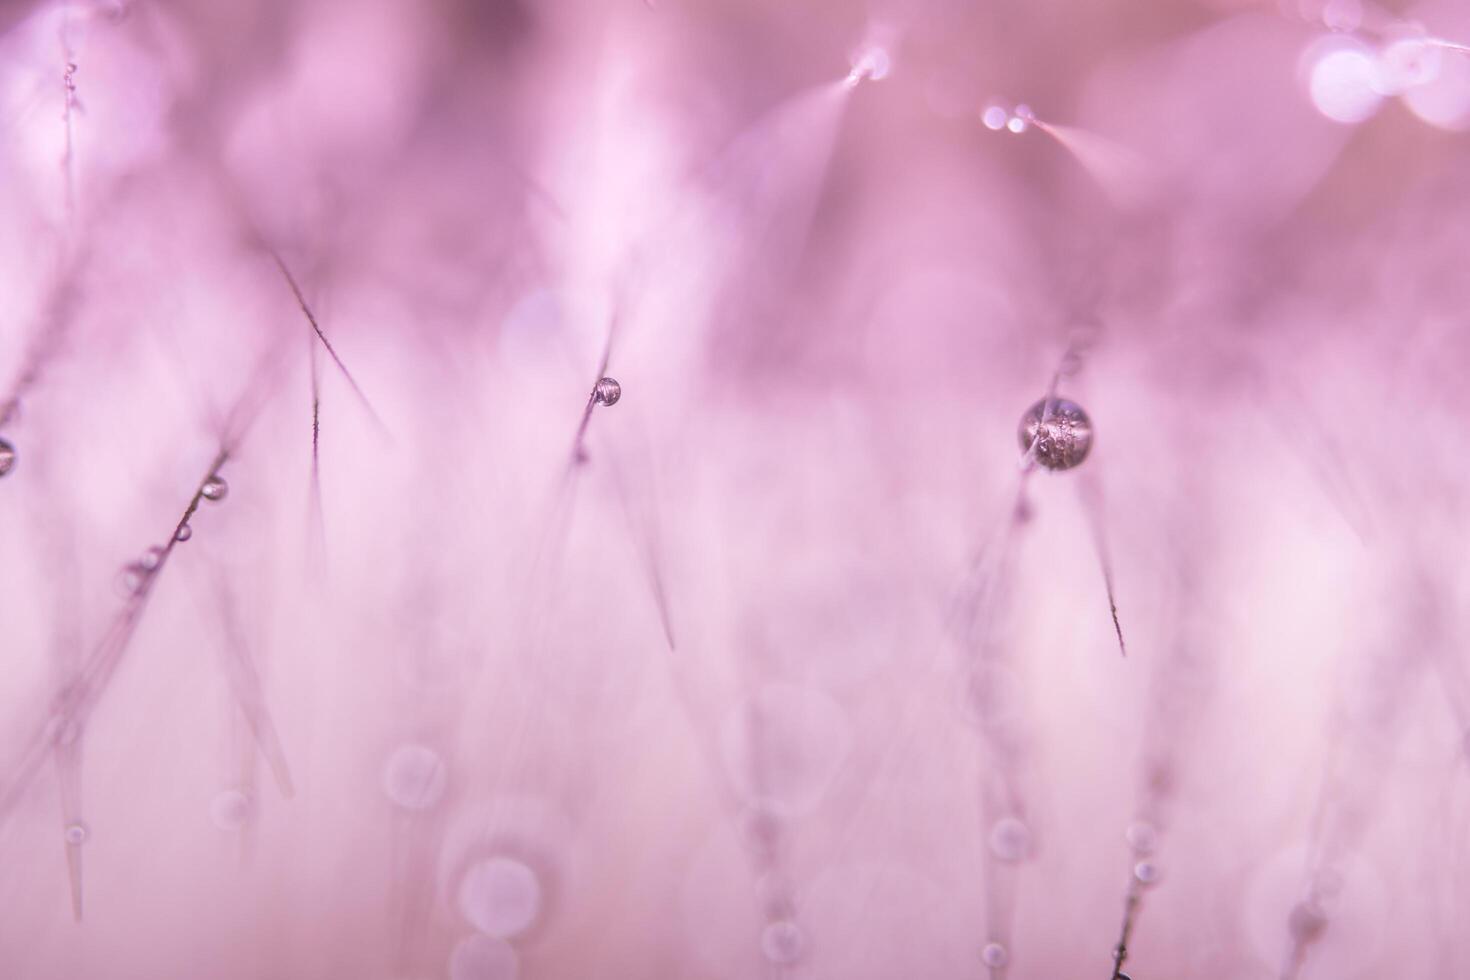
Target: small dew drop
{"points": [[994, 118], [1147, 873], [994, 955], [215, 489], [132, 578], [76, 833], [782, 942], [151, 559], [500, 897], [1010, 840], [1142, 837], [184, 533], [7, 457], [607, 391], [1060, 432]]}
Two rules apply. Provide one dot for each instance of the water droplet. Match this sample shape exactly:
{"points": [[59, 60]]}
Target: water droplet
{"points": [[500, 897], [1343, 80], [782, 942], [151, 559], [7, 457], [131, 579], [994, 955], [483, 958], [76, 833], [230, 809], [215, 488], [1147, 873], [1142, 837], [607, 391], [1010, 840], [994, 117], [414, 777], [1060, 431], [184, 533]]}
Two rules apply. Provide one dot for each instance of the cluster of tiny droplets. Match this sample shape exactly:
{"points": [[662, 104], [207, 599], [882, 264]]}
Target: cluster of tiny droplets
{"points": [[1057, 433], [1017, 120], [607, 391], [7, 457], [874, 65], [134, 575]]}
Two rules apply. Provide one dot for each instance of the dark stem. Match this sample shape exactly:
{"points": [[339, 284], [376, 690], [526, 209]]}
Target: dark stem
{"points": [[1130, 914], [315, 326]]}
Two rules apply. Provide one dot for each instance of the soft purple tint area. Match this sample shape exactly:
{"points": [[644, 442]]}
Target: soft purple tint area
{"points": [[786, 662]]}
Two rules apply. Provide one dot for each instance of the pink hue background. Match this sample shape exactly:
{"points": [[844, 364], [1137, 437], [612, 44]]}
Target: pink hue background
{"points": [[828, 305]]}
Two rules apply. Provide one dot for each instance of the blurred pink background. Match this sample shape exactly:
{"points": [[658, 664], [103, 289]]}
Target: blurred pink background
{"points": [[805, 670]]}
